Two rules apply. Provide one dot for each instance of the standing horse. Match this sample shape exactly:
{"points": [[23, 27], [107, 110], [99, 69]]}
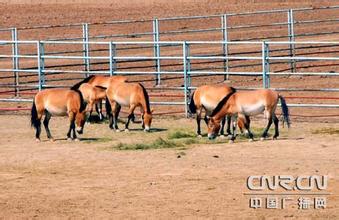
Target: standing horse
{"points": [[58, 102], [99, 82], [92, 95], [249, 103], [206, 98], [132, 95]]}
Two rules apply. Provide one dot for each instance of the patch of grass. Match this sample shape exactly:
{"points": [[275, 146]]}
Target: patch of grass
{"points": [[178, 134], [157, 144], [330, 131]]}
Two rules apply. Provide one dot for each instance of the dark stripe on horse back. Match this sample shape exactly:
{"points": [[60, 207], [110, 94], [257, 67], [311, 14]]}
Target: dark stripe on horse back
{"points": [[76, 86], [146, 98], [223, 102], [101, 87], [82, 101]]}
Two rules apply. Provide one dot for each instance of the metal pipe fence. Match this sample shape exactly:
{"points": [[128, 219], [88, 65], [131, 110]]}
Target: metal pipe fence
{"points": [[286, 24], [183, 55]]}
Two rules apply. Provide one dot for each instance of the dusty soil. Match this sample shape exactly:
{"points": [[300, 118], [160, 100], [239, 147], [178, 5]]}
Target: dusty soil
{"points": [[93, 179]]}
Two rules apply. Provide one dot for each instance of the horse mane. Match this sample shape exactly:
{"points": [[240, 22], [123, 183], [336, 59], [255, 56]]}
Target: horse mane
{"points": [[77, 85], [82, 101], [222, 102], [146, 98]]}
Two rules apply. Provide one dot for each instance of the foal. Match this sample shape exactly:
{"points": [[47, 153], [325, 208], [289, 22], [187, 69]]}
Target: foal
{"points": [[249, 103], [58, 102]]}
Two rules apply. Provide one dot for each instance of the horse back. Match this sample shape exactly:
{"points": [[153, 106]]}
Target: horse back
{"points": [[210, 95]]}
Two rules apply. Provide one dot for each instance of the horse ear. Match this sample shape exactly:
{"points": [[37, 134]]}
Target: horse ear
{"points": [[152, 110]]}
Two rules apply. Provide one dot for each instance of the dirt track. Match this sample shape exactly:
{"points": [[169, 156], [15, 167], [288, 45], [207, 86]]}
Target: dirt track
{"points": [[91, 179]]}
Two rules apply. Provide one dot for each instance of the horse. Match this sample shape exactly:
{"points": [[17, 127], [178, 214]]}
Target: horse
{"points": [[249, 103], [132, 95], [206, 98], [96, 81], [92, 95], [58, 102]]}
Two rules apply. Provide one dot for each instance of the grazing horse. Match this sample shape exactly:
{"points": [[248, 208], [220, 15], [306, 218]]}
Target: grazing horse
{"points": [[100, 82], [58, 102], [249, 103], [206, 98], [132, 95]]}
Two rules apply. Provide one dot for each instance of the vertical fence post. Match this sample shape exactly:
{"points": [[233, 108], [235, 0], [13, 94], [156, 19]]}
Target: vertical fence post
{"points": [[40, 53], [185, 70], [15, 60], [85, 39], [291, 38], [112, 61], [265, 65], [225, 44], [156, 38]]}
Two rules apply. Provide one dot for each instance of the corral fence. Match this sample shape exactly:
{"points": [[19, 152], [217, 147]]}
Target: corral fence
{"points": [[179, 53]]}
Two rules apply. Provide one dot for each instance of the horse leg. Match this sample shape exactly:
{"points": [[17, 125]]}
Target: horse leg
{"points": [[71, 117], [247, 127], [223, 121], [198, 122], [264, 134], [98, 109], [90, 110], [228, 129], [130, 116], [234, 127], [115, 113], [276, 123], [46, 122]]}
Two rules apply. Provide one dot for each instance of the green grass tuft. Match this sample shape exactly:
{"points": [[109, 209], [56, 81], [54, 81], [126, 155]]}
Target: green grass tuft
{"points": [[178, 134], [157, 144], [330, 131]]}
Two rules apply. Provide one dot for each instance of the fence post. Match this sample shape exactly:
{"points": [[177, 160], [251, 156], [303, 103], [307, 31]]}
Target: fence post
{"points": [[40, 54], [15, 60], [265, 65], [85, 39], [225, 44], [112, 61], [156, 38], [291, 38], [185, 60]]}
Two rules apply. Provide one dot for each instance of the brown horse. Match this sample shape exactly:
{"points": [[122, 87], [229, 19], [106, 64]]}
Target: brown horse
{"points": [[58, 102], [206, 98], [132, 95], [249, 103], [94, 88]]}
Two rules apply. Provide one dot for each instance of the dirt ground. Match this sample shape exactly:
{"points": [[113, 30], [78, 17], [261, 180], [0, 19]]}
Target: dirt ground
{"points": [[93, 179]]}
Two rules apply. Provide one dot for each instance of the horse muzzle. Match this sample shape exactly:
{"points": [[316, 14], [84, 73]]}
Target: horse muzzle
{"points": [[80, 130], [211, 136], [147, 129]]}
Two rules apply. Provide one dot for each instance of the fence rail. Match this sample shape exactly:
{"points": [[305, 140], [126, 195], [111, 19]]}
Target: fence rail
{"points": [[183, 54]]}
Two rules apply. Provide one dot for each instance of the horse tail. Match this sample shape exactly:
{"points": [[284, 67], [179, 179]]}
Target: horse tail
{"points": [[35, 122], [146, 99], [285, 111], [108, 106], [76, 86], [192, 107]]}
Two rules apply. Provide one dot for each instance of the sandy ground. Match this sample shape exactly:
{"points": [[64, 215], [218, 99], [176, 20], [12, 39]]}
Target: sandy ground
{"points": [[92, 179]]}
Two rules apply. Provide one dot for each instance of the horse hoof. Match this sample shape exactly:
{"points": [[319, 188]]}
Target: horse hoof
{"points": [[222, 136], [229, 136], [117, 130], [37, 140], [275, 138], [262, 139], [51, 140], [250, 140], [76, 139], [69, 139], [199, 136], [126, 130], [231, 141]]}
